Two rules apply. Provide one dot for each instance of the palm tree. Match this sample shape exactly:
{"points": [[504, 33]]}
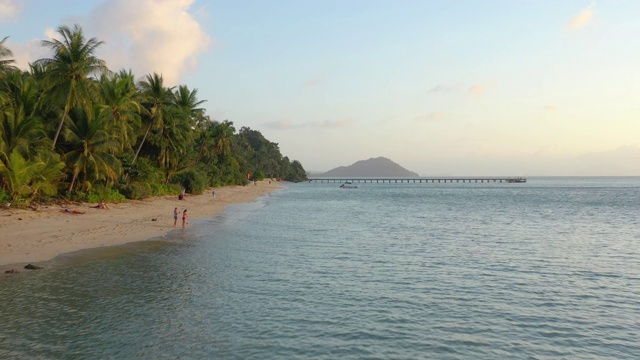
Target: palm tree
{"points": [[5, 52], [25, 177], [119, 96], [92, 147], [187, 102], [223, 134], [20, 127], [205, 139], [158, 101], [68, 71]]}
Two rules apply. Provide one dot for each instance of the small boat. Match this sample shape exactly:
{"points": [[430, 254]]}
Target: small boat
{"points": [[348, 185]]}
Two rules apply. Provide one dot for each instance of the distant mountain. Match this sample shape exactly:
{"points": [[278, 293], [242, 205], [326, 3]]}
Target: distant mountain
{"points": [[378, 167]]}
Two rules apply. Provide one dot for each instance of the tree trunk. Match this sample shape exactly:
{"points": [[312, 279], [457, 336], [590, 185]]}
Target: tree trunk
{"points": [[142, 142], [73, 181], [64, 116]]}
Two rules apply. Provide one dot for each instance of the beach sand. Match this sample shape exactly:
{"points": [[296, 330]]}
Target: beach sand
{"points": [[28, 236]]}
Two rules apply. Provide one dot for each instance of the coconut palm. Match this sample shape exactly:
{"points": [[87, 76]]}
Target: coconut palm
{"points": [[20, 127], [29, 177], [92, 147], [223, 134], [187, 102], [205, 139], [68, 72], [157, 100], [119, 98], [5, 52]]}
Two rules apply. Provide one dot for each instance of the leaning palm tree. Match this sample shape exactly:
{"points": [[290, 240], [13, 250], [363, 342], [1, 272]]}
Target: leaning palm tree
{"points": [[92, 147], [158, 102], [68, 72]]}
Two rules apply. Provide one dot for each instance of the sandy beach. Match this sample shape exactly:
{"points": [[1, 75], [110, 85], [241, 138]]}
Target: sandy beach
{"points": [[28, 236]]}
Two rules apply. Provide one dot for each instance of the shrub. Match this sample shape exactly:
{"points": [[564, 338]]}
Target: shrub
{"points": [[78, 195], [142, 171], [193, 181], [102, 193], [163, 189], [258, 175], [136, 190], [4, 196]]}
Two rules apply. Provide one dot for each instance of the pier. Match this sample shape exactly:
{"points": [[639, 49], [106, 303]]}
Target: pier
{"points": [[445, 180]]}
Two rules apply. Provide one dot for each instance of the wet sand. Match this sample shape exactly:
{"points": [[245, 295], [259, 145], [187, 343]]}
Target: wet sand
{"points": [[28, 236]]}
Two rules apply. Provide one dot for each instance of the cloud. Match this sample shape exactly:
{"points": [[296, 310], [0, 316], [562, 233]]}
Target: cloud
{"points": [[28, 52], [332, 124], [311, 83], [583, 19], [477, 89], [286, 124], [436, 116], [441, 88], [282, 124], [10, 9], [147, 36], [551, 108]]}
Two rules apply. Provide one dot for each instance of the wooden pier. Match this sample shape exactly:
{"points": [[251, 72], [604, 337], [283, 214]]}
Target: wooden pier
{"points": [[445, 180]]}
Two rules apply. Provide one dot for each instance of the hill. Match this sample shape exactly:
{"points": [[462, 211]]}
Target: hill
{"points": [[378, 167]]}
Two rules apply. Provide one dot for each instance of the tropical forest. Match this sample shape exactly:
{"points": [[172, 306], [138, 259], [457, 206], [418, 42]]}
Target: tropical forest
{"points": [[71, 129]]}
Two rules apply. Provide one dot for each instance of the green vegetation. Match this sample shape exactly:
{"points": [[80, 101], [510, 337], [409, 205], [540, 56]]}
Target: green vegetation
{"points": [[71, 128]]}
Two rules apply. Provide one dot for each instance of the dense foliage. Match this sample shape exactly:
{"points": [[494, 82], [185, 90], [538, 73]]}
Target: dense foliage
{"points": [[70, 127]]}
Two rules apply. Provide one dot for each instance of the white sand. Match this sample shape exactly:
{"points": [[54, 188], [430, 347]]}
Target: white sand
{"points": [[28, 236]]}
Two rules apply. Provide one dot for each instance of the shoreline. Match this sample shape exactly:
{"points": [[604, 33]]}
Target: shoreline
{"points": [[38, 236]]}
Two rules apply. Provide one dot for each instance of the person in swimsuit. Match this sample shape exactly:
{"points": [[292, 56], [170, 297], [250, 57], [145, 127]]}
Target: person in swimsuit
{"points": [[175, 217], [101, 205], [184, 218], [74, 211]]}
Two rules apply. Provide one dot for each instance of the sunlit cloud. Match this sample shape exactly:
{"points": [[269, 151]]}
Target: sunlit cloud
{"points": [[551, 108], [25, 53], [281, 124], [10, 9], [287, 124], [442, 88], [477, 89], [436, 116], [583, 19], [332, 124], [147, 36]]}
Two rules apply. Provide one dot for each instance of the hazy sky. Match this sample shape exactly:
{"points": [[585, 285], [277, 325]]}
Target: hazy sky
{"points": [[441, 87]]}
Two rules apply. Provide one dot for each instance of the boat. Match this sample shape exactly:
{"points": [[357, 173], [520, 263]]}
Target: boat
{"points": [[348, 185]]}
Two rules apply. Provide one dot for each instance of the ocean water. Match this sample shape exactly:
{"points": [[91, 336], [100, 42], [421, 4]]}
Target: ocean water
{"points": [[549, 269]]}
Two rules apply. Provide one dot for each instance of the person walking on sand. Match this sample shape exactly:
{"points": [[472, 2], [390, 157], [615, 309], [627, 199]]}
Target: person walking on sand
{"points": [[175, 217], [184, 218]]}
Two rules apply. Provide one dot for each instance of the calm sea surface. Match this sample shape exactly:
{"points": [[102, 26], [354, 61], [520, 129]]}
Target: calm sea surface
{"points": [[549, 269]]}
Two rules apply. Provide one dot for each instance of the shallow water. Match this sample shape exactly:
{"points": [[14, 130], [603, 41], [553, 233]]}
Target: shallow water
{"points": [[547, 269]]}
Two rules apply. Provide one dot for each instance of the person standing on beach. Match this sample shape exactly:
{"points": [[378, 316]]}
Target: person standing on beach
{"points": [[184, 218], [175, 217]]}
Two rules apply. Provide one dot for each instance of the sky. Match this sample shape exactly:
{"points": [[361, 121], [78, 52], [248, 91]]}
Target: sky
{"points": [[443, 88]]}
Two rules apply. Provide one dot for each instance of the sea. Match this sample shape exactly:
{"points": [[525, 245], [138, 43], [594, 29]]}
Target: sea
{"points": [[548, 269]]}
